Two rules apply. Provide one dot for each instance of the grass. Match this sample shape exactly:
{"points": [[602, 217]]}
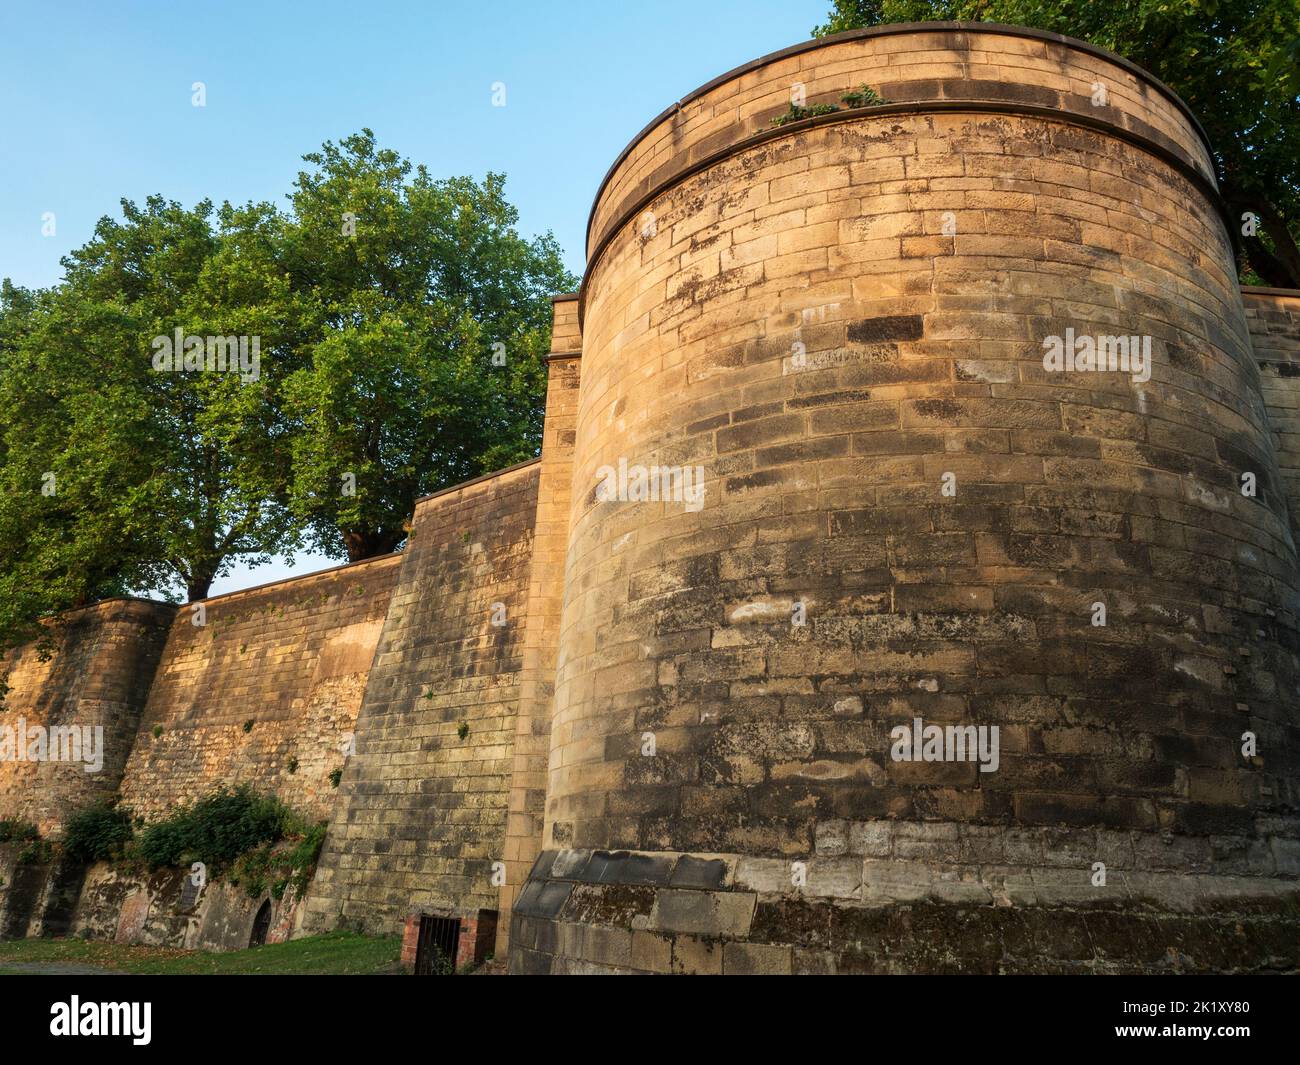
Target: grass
{"points": [[337, 953]]}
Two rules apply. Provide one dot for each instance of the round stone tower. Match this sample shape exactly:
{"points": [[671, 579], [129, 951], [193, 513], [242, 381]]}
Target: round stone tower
{"points": [[977, 649]]}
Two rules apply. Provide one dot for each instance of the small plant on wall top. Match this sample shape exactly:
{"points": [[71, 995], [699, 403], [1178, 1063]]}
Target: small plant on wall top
{"points": [[335, 776], [157, 731], [248, 725], [292, 765], [462, 730], [796, 113], [865, 96]]}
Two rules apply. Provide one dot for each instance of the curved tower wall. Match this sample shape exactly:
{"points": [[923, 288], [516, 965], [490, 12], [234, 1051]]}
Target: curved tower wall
{"points": [[907, 515]]}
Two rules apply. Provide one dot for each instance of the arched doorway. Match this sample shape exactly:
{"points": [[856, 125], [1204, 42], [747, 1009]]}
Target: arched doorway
{"points": [[261, 925]]}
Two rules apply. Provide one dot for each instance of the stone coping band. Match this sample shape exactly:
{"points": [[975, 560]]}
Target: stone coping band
{"points": [[894, 29], [1265, 290], [921, 108], [555, 873], [331, 571], [478, 480]]}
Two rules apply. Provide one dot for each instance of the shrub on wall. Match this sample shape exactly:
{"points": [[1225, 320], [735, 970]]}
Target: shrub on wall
{"points": [[276, 866], [215, 830], [96, 833], [36, 852], [262, 842], [17, 832]]}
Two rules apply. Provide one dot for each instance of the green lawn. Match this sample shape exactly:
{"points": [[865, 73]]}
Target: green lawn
{"points": [[334, 953]]}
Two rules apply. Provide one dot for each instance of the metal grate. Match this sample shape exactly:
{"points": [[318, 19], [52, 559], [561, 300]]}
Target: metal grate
{"points": [[435, 951], [189, 894]]}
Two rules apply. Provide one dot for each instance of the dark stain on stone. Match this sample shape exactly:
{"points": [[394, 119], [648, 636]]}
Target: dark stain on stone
{"points": [[888, 327], [938, 408]]}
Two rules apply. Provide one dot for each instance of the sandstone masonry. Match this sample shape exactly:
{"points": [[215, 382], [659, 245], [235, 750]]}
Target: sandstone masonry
{"points": [[632, 736]]}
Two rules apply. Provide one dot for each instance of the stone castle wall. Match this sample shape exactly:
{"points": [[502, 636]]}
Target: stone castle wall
{"points": [[422, 815], [97, 673], [265, 692], [656, 736], [1273, 316], [532, 746], [837, 319]]}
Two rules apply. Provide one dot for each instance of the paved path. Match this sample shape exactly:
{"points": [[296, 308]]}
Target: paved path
{"points": [[55, 968]]}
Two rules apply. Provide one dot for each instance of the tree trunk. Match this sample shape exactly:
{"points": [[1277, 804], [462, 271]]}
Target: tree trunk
{"points": [[363, 543], [198, 585], [1279, 268]]}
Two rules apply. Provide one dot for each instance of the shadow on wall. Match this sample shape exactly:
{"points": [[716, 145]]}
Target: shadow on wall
{"points": [[96, 682], [162, 909]]}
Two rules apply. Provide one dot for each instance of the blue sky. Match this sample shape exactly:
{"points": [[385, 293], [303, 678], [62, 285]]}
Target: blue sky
{"points": [[95, 103]]}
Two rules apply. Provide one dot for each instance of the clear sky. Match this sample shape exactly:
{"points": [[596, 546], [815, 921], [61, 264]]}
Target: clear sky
{"points": [[95, 103]]}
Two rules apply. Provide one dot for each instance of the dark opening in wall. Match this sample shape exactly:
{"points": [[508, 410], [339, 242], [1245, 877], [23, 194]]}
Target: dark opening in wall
{"points": [[261, 925]]}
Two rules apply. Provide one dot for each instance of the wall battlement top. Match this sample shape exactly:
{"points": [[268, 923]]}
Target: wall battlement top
{"points": [[933, 66]]}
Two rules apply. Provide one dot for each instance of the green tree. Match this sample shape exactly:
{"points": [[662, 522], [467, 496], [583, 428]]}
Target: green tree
{"points": [[377, 307], [151, 479], [63, 540], [426, 368], [1235, 62]]}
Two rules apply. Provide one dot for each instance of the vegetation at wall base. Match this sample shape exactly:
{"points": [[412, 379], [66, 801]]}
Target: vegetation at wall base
{"points": [[257, 841], [275, 867], [36, 852], [214, 830], [97, 833], [14, 831]]}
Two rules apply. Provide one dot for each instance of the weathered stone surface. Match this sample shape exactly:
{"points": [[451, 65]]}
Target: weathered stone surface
{"points": [[266, 692], [909, 514], [756, 959], [97, 676], [424, 801], [838, 330], [703, 912]]}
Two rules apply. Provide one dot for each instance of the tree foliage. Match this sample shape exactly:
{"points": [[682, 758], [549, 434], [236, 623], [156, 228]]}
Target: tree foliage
{"points": [[374, 305], [397, 392], [1236, 63]]}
